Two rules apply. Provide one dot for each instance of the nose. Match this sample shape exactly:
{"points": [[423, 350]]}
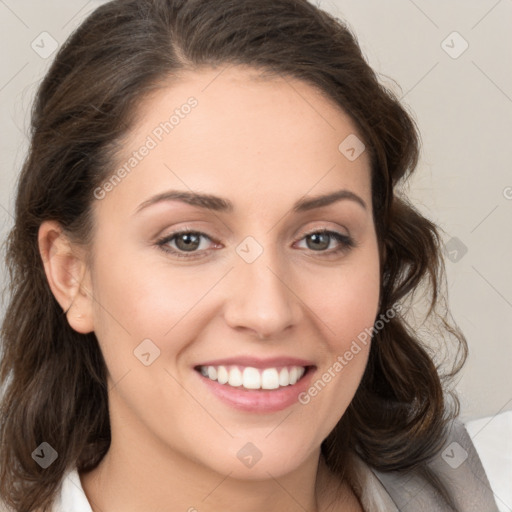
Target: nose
{"points": [[261, 299]]}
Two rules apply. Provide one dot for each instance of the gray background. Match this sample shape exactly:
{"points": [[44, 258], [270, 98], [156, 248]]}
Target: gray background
{"points": [[462, 103]]}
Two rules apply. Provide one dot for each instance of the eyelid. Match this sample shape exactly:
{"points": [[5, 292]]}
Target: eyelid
{"points": [[345, 242], [190, 229]]}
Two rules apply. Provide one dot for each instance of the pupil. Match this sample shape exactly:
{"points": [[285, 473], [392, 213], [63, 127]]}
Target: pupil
{"points": [[190, 239], [315, 237]]}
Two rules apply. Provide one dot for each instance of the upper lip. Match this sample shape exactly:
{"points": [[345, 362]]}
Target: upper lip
{"points": [[255, 362]]}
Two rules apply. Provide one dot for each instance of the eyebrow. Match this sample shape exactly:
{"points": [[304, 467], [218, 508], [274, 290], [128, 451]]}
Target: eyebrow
{"points": [[219, 204]]}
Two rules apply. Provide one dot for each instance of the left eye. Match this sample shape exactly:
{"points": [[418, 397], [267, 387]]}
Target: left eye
{"points": [[319, 237], [190, 241]]}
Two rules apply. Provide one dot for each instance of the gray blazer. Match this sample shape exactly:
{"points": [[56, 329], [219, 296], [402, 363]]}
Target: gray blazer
{"points": [[457, 465]]}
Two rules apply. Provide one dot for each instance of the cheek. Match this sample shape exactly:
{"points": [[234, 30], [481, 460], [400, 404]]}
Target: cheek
{"points": [[346, 305], [356, 311], [135, 301], [347, 301], [347, 309]]}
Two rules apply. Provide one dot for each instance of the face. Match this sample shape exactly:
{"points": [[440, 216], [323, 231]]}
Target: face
{"points": [[261, 288]]}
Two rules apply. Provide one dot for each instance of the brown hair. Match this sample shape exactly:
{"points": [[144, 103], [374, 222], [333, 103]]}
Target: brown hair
{"points": [[55, 378]]}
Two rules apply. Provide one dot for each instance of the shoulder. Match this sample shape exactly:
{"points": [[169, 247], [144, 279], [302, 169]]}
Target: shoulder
{"points": [[492, 438], [457, 466]]}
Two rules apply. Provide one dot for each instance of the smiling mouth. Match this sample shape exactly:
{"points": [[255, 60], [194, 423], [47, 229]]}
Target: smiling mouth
{"points": [[250, 378]]}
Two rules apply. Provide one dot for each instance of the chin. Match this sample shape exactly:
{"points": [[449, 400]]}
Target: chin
{"points": [[261, 460]]}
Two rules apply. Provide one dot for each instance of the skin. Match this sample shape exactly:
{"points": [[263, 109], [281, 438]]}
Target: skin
{"points": [[263, 144]]}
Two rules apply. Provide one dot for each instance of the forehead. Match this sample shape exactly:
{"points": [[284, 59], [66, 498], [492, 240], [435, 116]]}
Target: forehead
{"points": [[232, 132]]}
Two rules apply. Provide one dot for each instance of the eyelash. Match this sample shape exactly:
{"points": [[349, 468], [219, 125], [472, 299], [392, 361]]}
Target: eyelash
{"points": [[346, 243]]}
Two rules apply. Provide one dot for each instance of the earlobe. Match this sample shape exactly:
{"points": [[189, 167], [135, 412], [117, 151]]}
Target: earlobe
{"points": [[67, 275]]}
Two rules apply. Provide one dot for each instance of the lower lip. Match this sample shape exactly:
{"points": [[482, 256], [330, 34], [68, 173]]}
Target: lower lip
{"points": [[254, 400]]}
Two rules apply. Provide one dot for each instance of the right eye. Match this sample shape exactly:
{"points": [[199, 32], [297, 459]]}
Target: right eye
{"points": [[186, 241]]}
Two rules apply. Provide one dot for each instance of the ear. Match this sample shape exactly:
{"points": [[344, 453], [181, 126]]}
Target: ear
{"points": [[68, 276]]}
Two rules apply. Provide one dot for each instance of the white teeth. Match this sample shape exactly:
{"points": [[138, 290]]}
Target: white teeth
{"points": [[222, 375], [235, 377], [254, 378], [212, 372], [270, 379], [284, 377], [294, 374], [251, 378]]}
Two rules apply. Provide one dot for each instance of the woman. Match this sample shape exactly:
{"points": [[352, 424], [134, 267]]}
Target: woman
{"points": [[175, 338]]}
